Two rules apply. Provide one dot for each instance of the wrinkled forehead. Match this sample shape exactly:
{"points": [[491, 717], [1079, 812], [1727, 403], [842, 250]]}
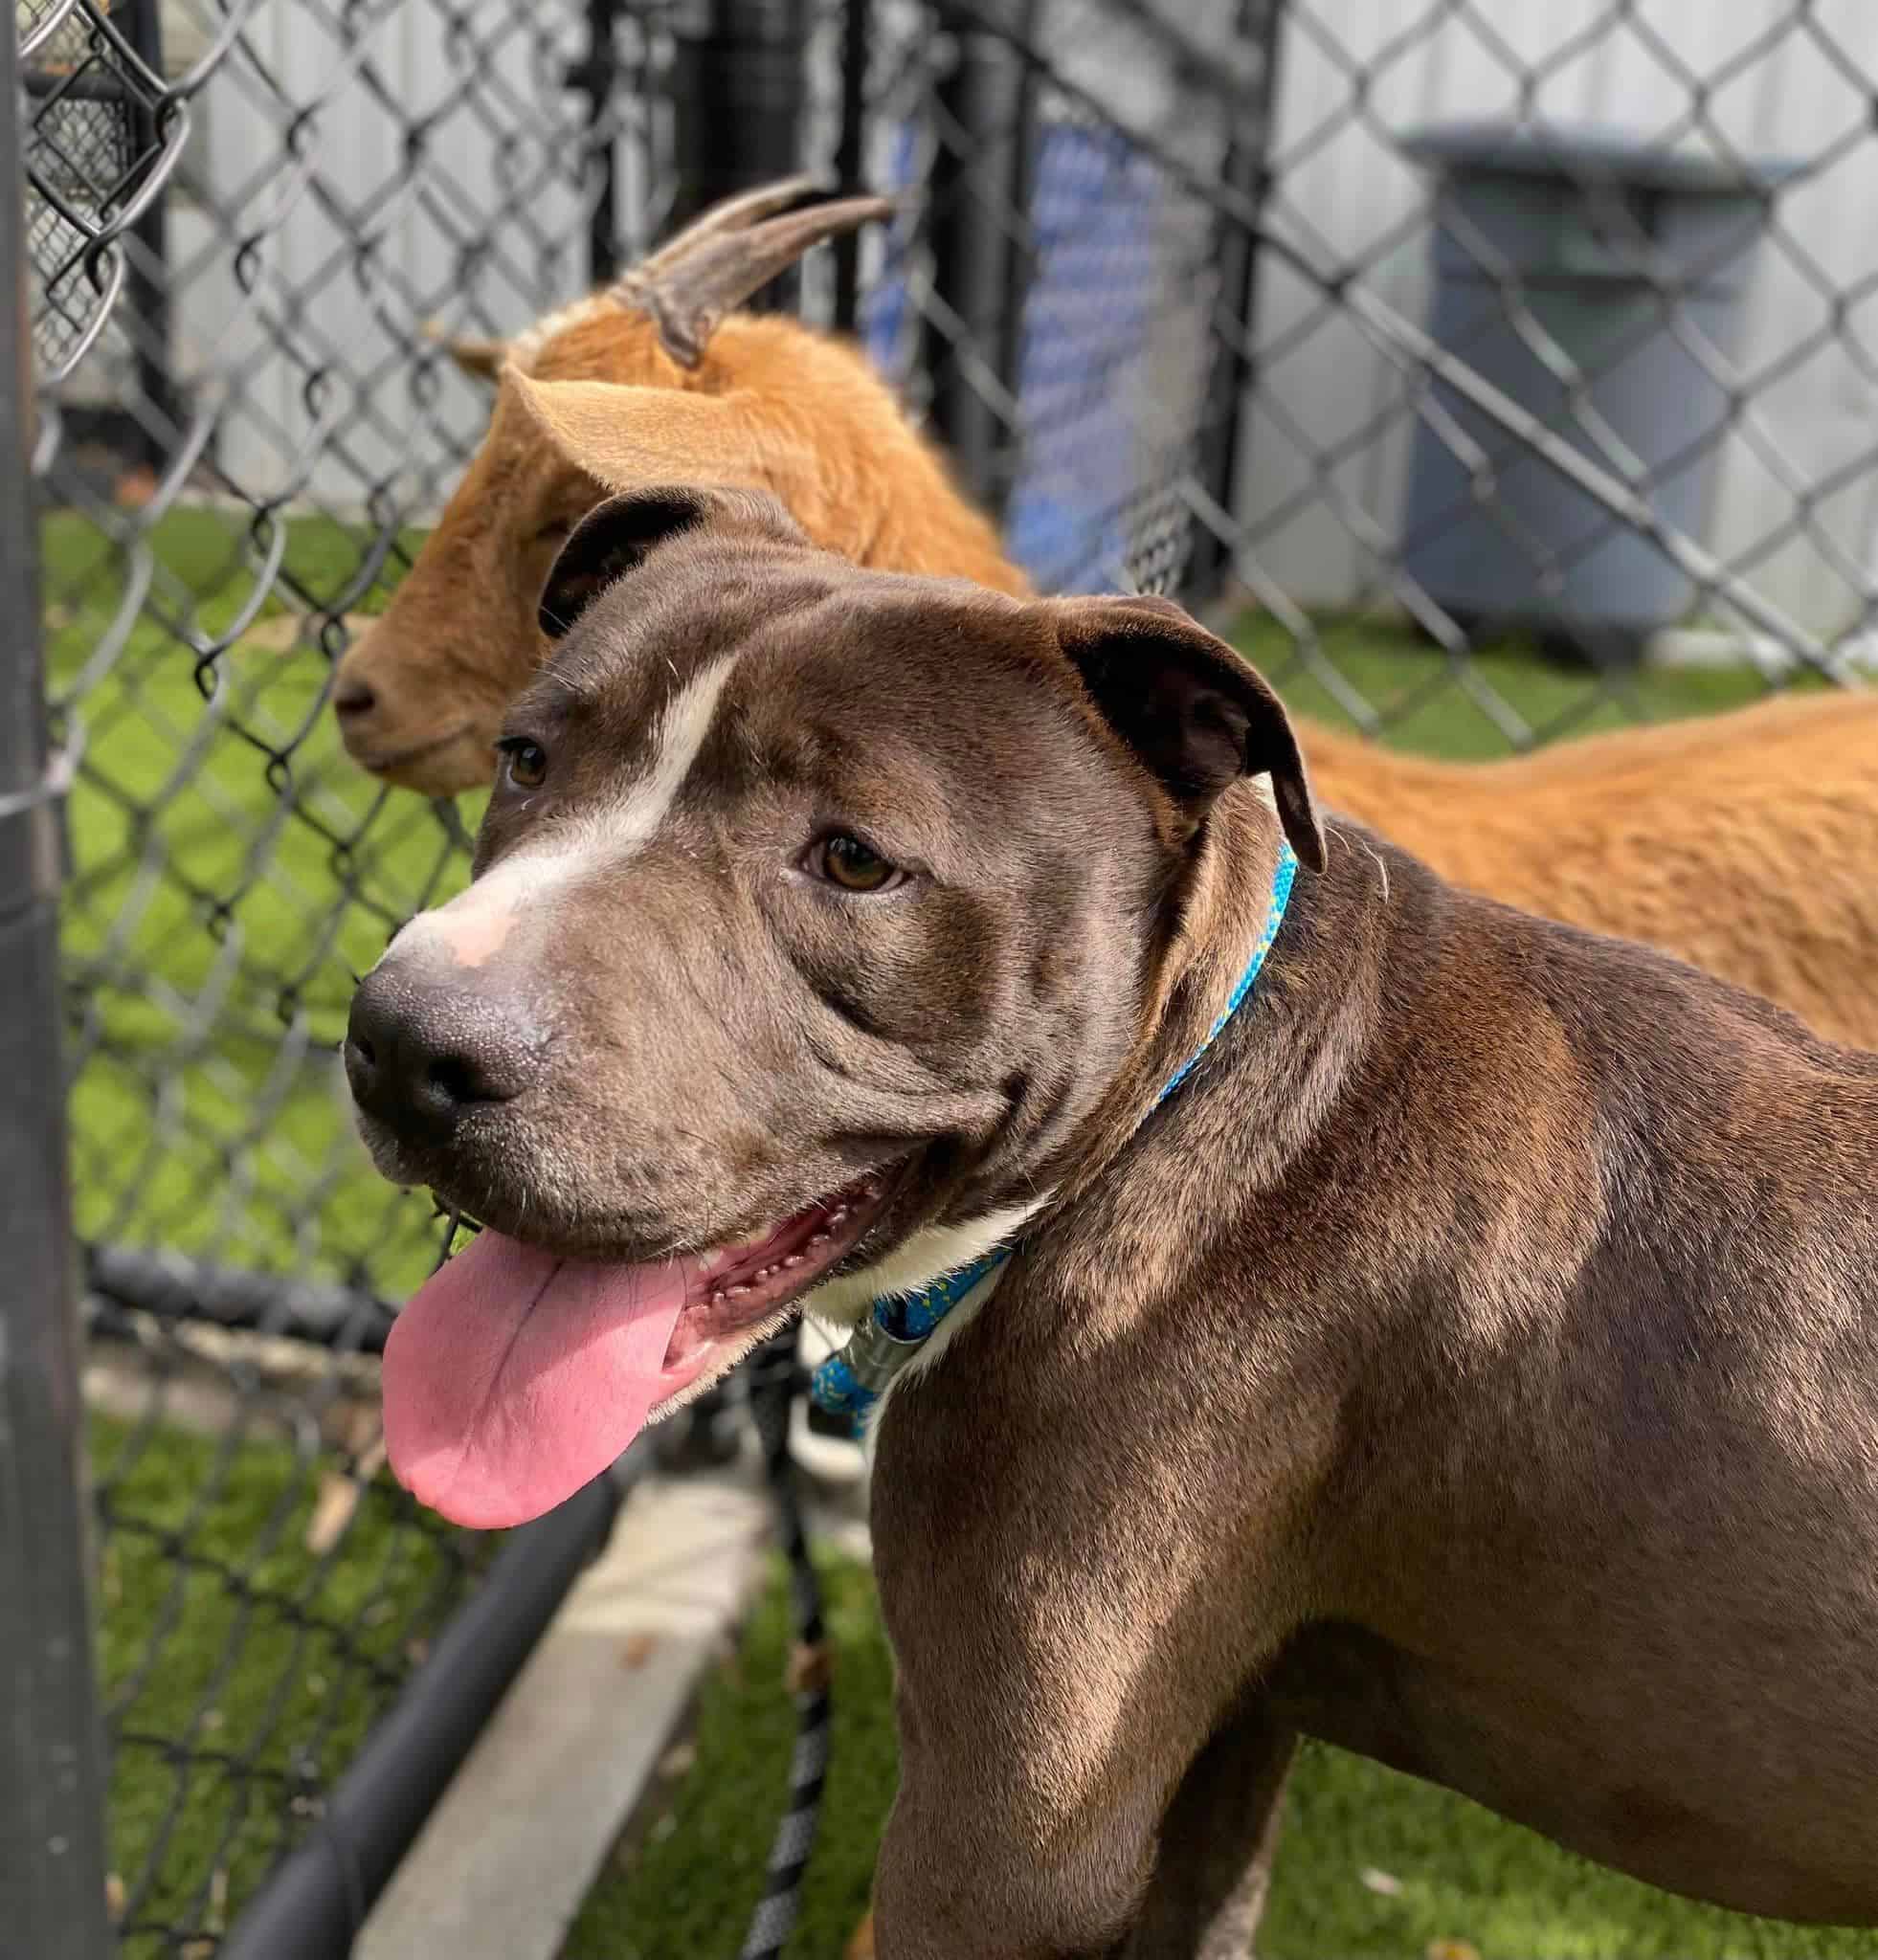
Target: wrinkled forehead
{"points": [[784, 663]]}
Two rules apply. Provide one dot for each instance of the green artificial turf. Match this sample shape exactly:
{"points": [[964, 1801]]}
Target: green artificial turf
{"points": [[686, 1879]]}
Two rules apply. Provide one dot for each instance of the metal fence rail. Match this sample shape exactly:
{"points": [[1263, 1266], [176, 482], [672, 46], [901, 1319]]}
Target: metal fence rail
{"points": [[1201, 296]]}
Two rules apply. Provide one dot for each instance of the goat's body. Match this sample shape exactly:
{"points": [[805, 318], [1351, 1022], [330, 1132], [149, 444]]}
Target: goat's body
{"points": [[1745, 843]]}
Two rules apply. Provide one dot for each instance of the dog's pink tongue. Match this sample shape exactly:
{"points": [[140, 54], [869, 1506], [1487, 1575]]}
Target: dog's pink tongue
{"points": [[513, 1378]]}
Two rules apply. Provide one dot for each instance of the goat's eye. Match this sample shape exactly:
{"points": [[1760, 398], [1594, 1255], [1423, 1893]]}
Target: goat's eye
{"points": [[845, 862], [525, 762]]}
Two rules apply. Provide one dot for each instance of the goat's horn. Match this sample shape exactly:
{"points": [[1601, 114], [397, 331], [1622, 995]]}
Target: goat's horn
{"points": [[687, 301], [482, 358], [734, 215]]}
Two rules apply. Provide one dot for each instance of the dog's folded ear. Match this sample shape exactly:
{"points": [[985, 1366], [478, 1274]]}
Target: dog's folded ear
{"points": [[1194, 713], [617, 537]]}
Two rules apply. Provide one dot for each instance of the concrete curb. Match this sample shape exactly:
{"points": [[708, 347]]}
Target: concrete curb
{"points": [[504, 1862]]}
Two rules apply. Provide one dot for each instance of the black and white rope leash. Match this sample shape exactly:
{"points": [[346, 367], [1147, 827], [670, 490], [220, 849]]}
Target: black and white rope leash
{"points": [[774, 1380]]}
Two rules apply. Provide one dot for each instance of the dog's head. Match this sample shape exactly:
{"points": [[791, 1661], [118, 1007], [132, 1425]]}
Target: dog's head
{"points": [[817, 912]]}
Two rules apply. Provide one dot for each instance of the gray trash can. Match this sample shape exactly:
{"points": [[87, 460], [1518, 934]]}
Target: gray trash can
{"points": [[1595, 228]]}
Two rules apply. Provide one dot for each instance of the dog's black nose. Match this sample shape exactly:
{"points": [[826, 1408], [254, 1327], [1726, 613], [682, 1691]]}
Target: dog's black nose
{"points": [[421, 1056]]}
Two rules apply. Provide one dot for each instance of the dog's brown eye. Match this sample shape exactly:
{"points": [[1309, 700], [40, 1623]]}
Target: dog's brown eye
{"points": [[556, 528], [526, 761], [851, 865]]}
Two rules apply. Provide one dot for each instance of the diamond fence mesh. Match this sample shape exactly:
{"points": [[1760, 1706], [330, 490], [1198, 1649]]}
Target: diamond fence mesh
{"points": [[1503, 372]]}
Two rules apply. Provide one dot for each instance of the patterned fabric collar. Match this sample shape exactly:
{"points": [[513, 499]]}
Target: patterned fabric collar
{"points": [[894, 1329]]}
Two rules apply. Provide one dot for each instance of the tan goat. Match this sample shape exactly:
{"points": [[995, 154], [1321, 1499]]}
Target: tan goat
{"points": [[1747, 842]]}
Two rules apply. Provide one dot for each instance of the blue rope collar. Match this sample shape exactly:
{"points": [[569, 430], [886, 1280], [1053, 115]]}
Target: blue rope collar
{"points": [[894, 1329]]}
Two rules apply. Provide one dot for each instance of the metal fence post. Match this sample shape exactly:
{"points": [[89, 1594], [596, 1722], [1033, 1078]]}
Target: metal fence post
{"points": [[851, 151], [595, 76], [52, 1782], [739, 85], [147, 283], [977, 173], [1246, 173]]}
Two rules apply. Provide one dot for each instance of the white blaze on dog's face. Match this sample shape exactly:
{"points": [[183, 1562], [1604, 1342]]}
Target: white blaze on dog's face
{"points": [[814, 913]]}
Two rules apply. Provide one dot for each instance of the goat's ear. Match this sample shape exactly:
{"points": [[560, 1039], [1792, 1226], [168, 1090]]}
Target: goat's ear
{"points": [[618, 538], [1196, 715], [625, 436]]}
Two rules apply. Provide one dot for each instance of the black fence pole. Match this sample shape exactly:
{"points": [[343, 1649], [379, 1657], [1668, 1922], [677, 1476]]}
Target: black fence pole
{"points": [[739, 85], [146, 252], [1246, 173], [52, 1779], [851, 152], [594, 75], [979, 170]]}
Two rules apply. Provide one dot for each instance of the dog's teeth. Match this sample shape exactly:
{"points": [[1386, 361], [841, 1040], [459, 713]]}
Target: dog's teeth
{"points": [[738, 1292], [819, 1238], [717, 1297], [794, 1260], [763, 1273]]}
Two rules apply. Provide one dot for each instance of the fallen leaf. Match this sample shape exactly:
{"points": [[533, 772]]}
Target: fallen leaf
{"points": [[862, 1945], [809, 1668], [677, 1760], [332, 1511], [340, 1492], [114, 1896], [1385, 1882], [1451, 1949], [638, 1650], [135, 488], [363, 1432]]}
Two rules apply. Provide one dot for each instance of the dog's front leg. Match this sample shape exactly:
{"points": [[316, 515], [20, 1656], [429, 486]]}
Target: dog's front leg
{"points": [[1025, 1829], [1217, 1843], [954, 1894]]}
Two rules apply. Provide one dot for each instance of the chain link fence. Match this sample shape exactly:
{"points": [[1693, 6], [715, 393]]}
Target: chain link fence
{"points": [[1500, 332], [239, 222], [1499, 371]]}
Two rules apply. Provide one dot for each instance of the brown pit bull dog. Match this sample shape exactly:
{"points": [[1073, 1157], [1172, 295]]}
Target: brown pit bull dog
{"points": [[1473, 1360]]}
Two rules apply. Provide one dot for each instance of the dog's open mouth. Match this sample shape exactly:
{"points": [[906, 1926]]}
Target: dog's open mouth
{"points": [[514, 1376]]}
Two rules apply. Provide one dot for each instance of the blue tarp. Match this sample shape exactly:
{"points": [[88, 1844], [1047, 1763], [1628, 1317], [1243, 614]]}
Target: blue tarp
{"points": [[1086, 322]]}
